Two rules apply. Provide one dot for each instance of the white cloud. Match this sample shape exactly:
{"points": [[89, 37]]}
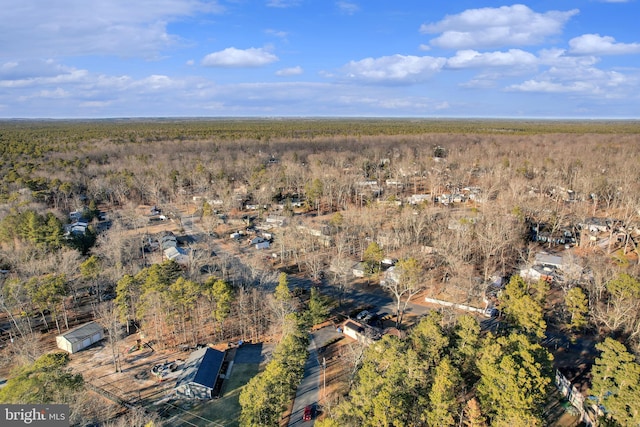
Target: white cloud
{"points": [[559, 58], [347, 8], [56, 93], [587, 81], [474, 59], [157, 82], [69, 92], [276, 33], [515, 25], [424, 47], [232, 57], [390, 105], [45, 74], [77, 27], [394, 69], [95, 104], [551, 87], [31, 68], [292, 71], [595, 44], [479, 83], [283, 3]]}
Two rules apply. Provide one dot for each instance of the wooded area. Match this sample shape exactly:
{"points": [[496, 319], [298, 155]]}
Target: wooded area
{"points": [[455, 205]]}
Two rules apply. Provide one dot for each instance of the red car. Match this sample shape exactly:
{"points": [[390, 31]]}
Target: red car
{"points": [[308, 412]]}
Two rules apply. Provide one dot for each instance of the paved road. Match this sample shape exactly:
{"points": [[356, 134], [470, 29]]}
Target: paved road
{"points": [[359, 295], [308, 392]]}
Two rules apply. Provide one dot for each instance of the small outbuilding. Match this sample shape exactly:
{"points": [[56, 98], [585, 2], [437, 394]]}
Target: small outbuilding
{"points": [[361, 333], [200, 374], [81, 337], [353, 330], [359, 269]]}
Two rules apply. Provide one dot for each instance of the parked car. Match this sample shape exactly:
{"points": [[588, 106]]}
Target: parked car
{"points": [[107, 296], [308, 413], [362, 314]]}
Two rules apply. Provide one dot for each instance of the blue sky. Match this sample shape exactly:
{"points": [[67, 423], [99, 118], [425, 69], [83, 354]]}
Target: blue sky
{"points": [[200, 58]]}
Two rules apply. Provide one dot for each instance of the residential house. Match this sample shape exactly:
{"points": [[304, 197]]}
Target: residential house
{"points": [[255, 240], [262, 245], [371, 187], [321, 233], [393, 183], [254, 206], [390, 276], [200, 374], [169, 240], [77, 228], [564, 194], [547, 260], [278, 220], [458, 198], [541, 232], [596, 225], [473, 193], [75, 216], [537, 272], [550, 267], [544, 267], [416, 199], [177, 254]]}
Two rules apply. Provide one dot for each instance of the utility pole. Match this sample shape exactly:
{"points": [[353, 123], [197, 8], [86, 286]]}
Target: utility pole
{"points": [[324, 378]]}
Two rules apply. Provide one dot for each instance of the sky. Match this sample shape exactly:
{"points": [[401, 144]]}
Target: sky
{"points": [[319, 58]]}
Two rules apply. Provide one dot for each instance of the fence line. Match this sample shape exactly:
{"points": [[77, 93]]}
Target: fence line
{"points": [[568, 390]]}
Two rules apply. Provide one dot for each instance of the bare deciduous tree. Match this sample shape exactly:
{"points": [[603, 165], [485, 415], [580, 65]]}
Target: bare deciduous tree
{"points": [[107, 316], [408, 282]]}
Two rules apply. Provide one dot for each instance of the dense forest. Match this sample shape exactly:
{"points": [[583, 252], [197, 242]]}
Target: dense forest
{"points": [[458, 203]]}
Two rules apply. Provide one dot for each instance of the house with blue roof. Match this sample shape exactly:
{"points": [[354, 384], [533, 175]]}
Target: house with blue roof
{"points": [[200, 374]]}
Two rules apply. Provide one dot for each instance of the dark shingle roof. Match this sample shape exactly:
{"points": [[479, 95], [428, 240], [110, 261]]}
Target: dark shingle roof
{"points": [[353, 326], [202, 367]]}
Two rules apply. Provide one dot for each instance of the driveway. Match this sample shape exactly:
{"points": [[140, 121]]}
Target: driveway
{"points": [[253, 353]]}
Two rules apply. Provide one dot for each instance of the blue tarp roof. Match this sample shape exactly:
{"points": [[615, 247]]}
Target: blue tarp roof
{"points": [[202, 367]]}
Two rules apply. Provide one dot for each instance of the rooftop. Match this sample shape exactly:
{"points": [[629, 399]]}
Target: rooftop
{"points": [[202, 367], [82, 332]]}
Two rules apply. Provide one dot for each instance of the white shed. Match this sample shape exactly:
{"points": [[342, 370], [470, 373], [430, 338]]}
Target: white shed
{"points": [[80, 338]]}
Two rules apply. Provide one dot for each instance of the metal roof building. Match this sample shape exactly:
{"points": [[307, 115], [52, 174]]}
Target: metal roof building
{"points": [[80, 338]]}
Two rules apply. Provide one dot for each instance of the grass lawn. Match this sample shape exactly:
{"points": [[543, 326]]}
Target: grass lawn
{"points": [[225, 410]]}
